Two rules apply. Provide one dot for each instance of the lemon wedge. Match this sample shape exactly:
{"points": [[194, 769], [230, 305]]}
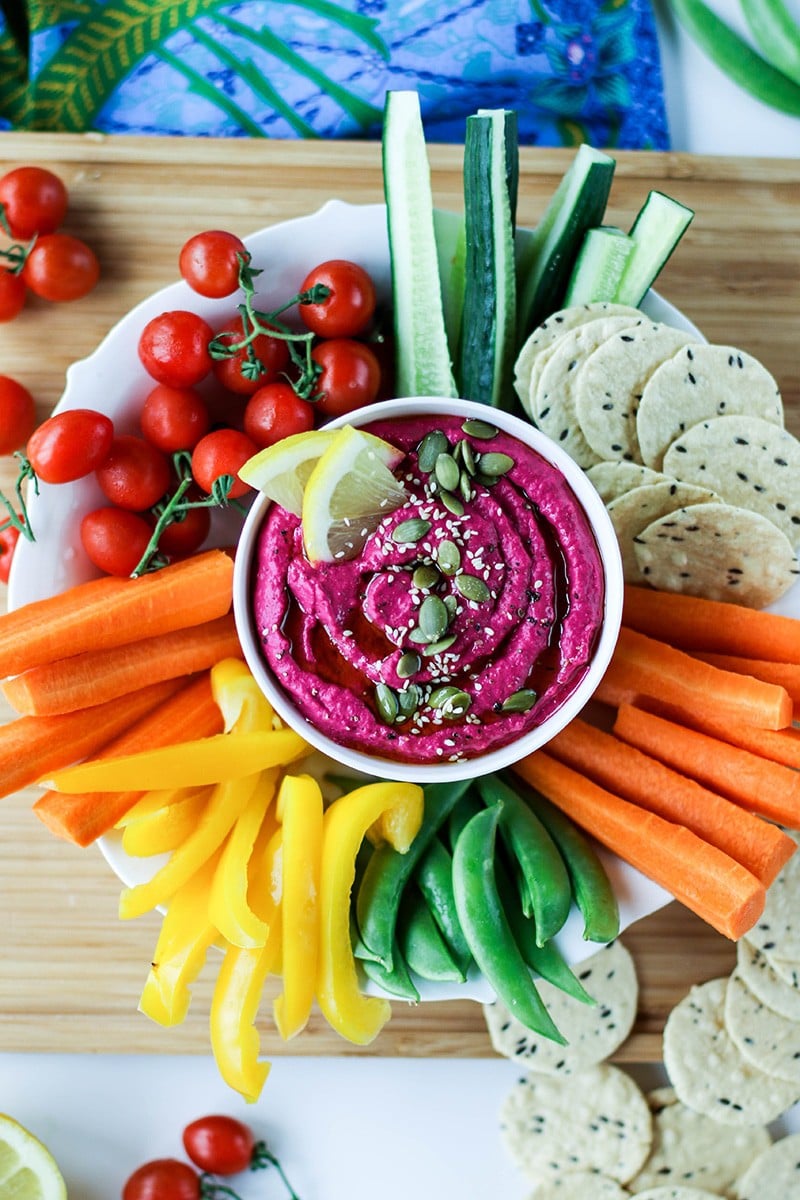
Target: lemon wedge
{"points": [[348, 493], [28, 1170], [282, 471]]}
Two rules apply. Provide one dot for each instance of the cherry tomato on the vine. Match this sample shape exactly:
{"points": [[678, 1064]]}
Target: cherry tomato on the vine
{"points": [[17, 415], [35, 201], [276, 411], [13, 290], [350, 378], [8, 544], [173, 348], [209, 262], [271, 352], [174, 418], [115, 539], [61, 268], [222, 452], [349, 308], [70, 444], [219, 1144], [182, 537], [163, 1179], [135, 474]]}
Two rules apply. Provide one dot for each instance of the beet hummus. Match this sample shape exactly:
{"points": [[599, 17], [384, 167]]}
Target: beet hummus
{"points": [[468, 617]]}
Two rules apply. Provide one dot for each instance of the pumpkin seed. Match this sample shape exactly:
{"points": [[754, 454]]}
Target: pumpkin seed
{"points": [[431, 446], [521, 701], [441, 695], [452, 504], [480, 429], [425, 577], [409, 700], [465, 487], [439, 647], [448, 556], [418, 636], [410, 531], [408, 664], [468, 457], [472, 587], [451, 702], [495, 464], [488, 481], [386, 701], [433, 618], [451, 604], [447, 472]]}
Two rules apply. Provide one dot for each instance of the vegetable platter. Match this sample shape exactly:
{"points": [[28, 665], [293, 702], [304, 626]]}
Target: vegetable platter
{"points": [[735, 287]]}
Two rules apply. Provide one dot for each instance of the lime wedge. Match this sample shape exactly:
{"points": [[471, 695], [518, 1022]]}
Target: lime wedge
{"points": [[282, 471], [28, 1170], [348, 493]]}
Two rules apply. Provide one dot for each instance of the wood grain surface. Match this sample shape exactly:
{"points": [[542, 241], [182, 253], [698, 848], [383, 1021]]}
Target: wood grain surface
{"points": [[70, 971]]}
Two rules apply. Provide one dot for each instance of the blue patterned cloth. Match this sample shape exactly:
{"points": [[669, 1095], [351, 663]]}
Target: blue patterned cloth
{"points": [[574, 70]]}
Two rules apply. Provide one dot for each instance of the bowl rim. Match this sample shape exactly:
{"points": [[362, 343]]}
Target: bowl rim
{"points": [[503, 756]]}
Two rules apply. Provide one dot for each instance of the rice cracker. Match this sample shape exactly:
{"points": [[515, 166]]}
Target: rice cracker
{"points": [[632, 512], [613, 479], [768, 1040], [580, 1185], [770, 987], [775, 1174]]}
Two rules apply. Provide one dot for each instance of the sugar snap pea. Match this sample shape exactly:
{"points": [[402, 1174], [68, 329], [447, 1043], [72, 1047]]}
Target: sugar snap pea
{"points": [[387, 873], [434, 877], [543, 869], [486, 926], [397, 981], [736, 57], [776, 34], [467, 807], [591, 886], [421, 943]]}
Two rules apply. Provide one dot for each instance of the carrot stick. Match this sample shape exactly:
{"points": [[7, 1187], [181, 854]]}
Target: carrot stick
{"points": [[32, 746], [110, 611], [190, 713], [753, 782], [717, 888], [94, 676], [781, 745], [758, 845], [694, 623], [644, 669], [785, 675]]}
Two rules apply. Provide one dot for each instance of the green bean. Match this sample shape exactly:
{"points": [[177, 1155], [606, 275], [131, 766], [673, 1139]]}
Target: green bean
{"points": [[591, 887], [434, 877], [422, 945], [486, 926], [737, 58], [387, 873], [776, 34], [543, 869]]}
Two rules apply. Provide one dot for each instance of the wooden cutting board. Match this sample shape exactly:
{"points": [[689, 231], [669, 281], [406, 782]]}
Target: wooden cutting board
{"points": [[70, 972]]}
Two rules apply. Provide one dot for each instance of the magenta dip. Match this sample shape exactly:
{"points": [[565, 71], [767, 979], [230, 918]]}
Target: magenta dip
{"points": [[523, 598]]}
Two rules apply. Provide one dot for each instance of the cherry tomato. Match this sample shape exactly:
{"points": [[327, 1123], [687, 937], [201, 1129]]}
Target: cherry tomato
{"points": [[182, 538], [61, 268], [8, 544], [163, 1179], [35, 201], [351, 376], [114, 539], [274, 412], [70, 444], [272, 353], [221, 1145], [209, 262], [349, 308], [17, 415], [173, 348], [134, 475], [222, 452], [174, 418], [13, 290]]}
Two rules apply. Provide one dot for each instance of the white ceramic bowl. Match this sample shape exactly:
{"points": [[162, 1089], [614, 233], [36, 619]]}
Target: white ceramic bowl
{"points": [[494, 760]]}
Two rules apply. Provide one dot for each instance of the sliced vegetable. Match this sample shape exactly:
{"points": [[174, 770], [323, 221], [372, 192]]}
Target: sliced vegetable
{"points": [[423, 366], [229, 906], [451, 247], [160, 821], [715, 887], [659, 226], [781, 745], [777, 34], [488, 323], [599, 267]]}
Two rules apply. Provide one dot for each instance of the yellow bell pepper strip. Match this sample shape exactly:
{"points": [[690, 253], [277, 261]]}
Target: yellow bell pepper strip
{"points": [[399, 807], [300, 811], [168, 825], [239, 698], [185, 936], [239, 987], [228, 905], [217, 759], [227, 801]]}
